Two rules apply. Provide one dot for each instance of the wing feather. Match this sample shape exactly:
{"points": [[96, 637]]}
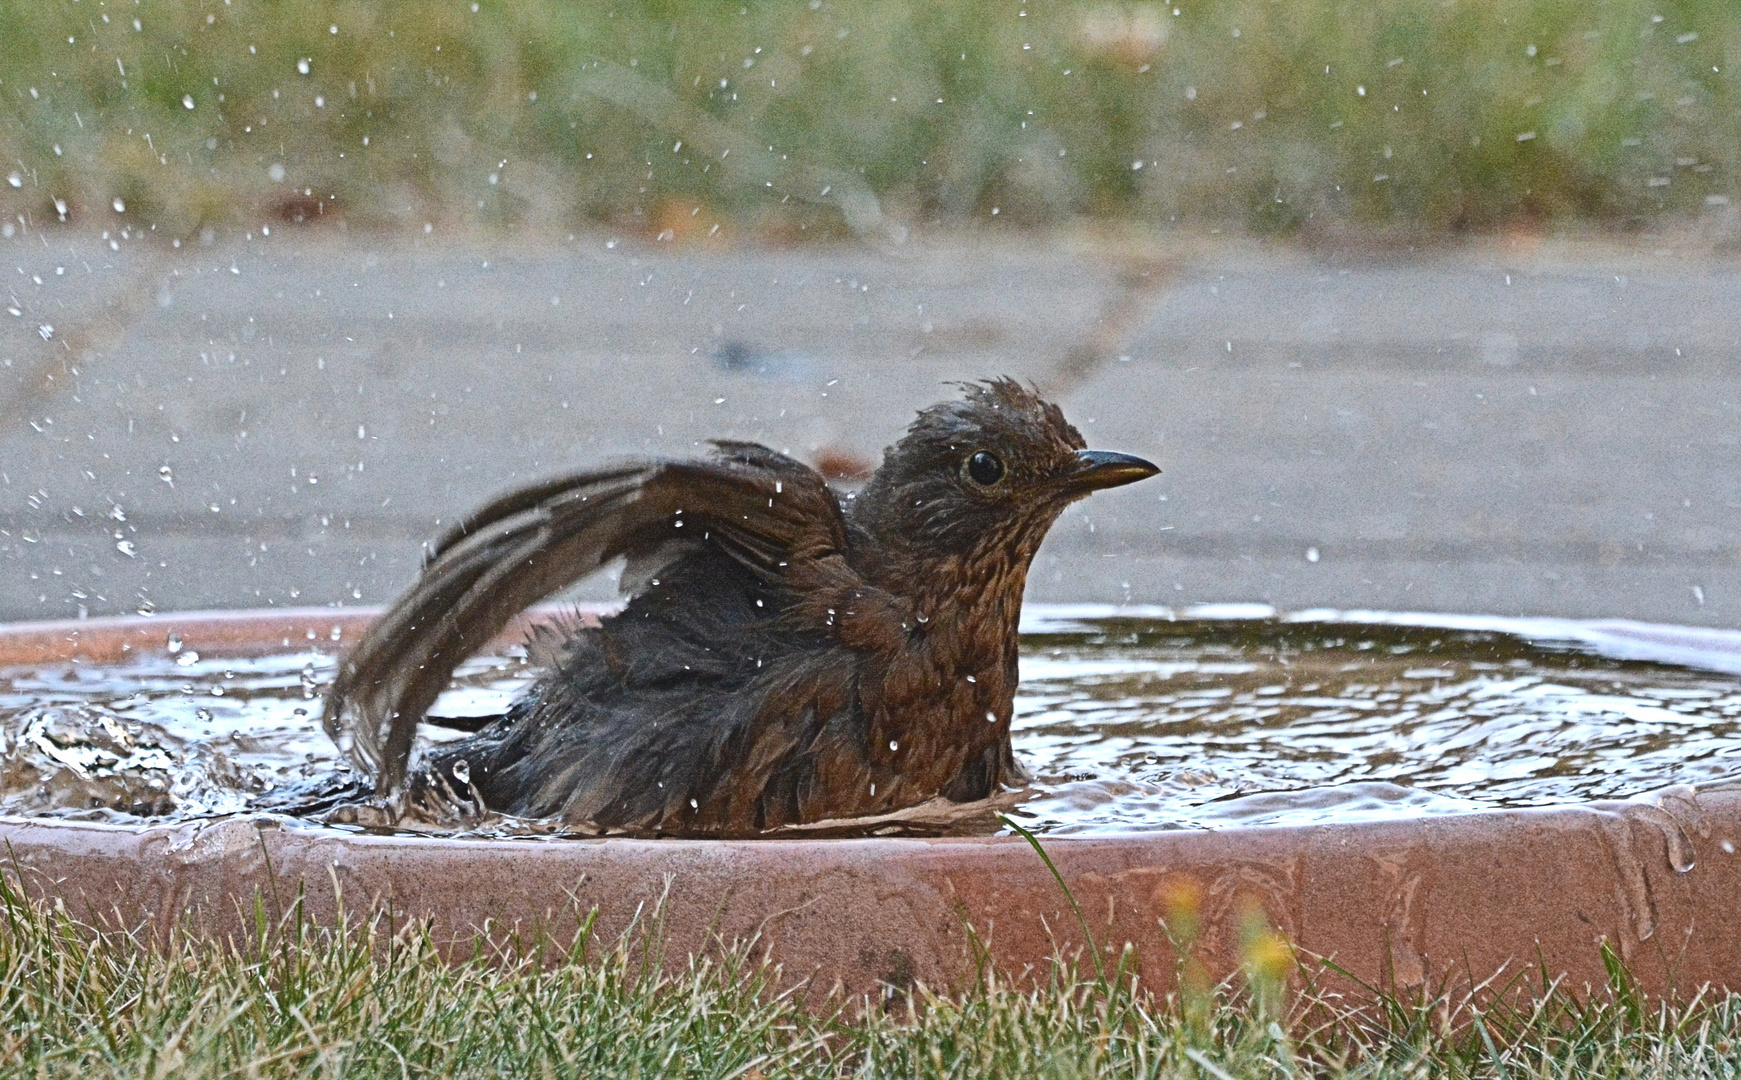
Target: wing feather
{"points": [[765, 509]]}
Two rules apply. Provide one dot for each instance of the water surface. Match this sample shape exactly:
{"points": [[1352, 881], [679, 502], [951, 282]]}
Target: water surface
{"points": [[1129, 722]]}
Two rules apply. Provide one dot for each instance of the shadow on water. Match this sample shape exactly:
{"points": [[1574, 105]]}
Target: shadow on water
{"points": [[1128, 723]]}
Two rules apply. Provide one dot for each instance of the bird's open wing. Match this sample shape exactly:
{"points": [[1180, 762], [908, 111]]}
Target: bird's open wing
{"points": [[764, 508]]}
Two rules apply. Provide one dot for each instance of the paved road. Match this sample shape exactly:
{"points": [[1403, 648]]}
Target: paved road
{"points": [[283, 420]]}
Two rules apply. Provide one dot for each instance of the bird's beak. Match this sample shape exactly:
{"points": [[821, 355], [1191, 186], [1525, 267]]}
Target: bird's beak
{"points": [[1098, 469]]}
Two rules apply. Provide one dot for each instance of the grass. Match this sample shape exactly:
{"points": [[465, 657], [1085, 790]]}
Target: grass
{"points": [[818, 116], [354, 1000]]}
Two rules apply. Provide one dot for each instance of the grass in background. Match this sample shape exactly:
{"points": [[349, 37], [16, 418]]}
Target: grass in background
{"points": [[298, 1001], [800, 115]]}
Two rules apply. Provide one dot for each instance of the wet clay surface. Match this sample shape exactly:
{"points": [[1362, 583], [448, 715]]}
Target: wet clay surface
{"points": [[1447, 897]]}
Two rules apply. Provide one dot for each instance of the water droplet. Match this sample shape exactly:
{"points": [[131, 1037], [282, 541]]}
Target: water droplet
{"points": [[187, 101], [204, 716], [15, 180], [893, 745], [1311, 554], [186, 658], [166, 474], [1676, 812], [302, 66], [462, 771], [120, 207]]}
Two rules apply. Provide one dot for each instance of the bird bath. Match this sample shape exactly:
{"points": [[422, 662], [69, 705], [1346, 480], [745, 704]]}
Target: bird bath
{"points": [[1416, 795]]}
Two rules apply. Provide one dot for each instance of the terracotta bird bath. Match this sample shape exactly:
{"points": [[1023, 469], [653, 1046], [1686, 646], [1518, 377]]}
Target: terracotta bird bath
{"points": [[1401, 902]]}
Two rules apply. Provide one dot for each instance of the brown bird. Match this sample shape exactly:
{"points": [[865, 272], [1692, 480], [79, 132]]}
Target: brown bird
{"points": [[785, 657]]}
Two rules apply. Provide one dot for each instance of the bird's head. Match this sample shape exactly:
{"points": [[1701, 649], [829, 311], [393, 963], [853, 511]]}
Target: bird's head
{"points": [[988, 472]]}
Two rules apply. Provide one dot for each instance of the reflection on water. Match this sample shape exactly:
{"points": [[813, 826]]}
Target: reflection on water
{"points": [[1127, 723], [1243, 722]]}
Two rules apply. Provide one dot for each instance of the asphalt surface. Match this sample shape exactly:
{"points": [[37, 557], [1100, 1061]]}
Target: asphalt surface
{"points": [[283, 420]]}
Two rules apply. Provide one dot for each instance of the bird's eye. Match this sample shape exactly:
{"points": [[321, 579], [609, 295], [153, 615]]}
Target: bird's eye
{"points": [[984, 469]]}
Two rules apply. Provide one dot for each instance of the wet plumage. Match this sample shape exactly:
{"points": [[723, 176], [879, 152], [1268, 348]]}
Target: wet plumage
{"points": [[785, 657]]}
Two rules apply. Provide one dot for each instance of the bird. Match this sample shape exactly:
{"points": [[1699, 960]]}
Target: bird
{"points": [[787, 654]]}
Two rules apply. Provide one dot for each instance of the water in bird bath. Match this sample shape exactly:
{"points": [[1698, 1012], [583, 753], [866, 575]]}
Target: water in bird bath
{"points": [[1129, 721], [1145, 722]]}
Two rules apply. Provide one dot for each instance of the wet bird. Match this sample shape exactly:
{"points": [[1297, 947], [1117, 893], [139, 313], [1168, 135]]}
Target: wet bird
{"points": [[786, 656]]}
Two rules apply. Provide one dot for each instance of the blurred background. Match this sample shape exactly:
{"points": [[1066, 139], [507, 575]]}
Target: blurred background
{"points": [[1422, 305], [1274, 116]]}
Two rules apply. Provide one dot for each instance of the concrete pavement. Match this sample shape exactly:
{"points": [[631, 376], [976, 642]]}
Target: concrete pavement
{"points": [[284, 419]]}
